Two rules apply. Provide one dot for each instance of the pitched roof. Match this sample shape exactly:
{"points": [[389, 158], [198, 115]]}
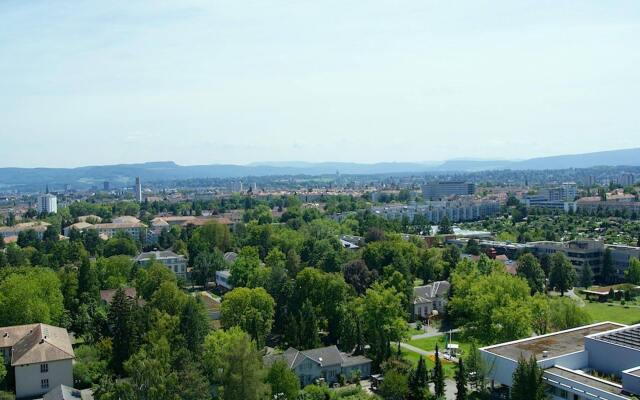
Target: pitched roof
{"points": [[63, 392], [324, 356], [42, 343], [426, 293], [108, 294], [10, 335]]}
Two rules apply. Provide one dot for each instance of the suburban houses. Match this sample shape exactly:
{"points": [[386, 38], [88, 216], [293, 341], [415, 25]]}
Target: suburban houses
{"points": [[326, 363]]}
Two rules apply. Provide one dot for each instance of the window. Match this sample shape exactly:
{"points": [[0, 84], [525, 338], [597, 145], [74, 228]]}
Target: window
{"points": [[44, 383], [44, 368]]}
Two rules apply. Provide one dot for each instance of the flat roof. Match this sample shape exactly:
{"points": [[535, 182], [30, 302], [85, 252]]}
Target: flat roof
{"points": [[555, 344], [586, 379]]}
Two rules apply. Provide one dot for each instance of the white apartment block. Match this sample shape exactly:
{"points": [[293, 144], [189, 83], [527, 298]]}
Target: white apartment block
{"points": [[47, 203], [175, 262]]}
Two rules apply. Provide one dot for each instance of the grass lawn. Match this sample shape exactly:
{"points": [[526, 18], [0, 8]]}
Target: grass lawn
{"points": [[429, 344], [613, 312], [448, 367]]}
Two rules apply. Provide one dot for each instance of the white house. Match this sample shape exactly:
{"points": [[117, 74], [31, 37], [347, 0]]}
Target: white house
{"points": [[430, 297], [175, 262], [326, 363], [41, 357]]}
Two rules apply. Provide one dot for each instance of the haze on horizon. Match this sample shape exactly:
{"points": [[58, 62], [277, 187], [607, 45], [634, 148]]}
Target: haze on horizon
{"points": [[202, 82]]}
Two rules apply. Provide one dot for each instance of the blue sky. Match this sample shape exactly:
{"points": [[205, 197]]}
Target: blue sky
{"points": [[104, 82]]}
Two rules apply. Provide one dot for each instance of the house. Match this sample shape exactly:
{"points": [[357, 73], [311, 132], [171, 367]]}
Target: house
{"points": [[41, 357], [106, 296], [430, 297], [175, 262], [63, 392], [595, 362], [223, 279], [326, 363]]}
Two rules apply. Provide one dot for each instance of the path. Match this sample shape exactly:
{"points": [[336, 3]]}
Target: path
{"points": [[432, 334], [415, 349]]}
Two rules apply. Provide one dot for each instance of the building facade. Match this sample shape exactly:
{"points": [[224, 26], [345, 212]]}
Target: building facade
{"points": [[41, 357], [444, 189], [48, 204], [177, 263], [593, 362], [434, 211]]}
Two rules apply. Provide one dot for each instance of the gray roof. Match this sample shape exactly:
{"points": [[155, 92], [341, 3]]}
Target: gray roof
{"points": [[42, 343], [324, 356], [62, 392], [159, 255], [230, 257], [426, 293]]}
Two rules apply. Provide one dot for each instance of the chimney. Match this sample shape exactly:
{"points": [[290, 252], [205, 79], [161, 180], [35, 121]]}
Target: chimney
{"points": [[545, 354]]}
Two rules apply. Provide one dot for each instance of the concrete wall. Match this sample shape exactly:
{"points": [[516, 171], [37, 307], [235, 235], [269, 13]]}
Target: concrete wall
{"points": [[28, 378], [498, 369], [610, 358], [577, 360]]}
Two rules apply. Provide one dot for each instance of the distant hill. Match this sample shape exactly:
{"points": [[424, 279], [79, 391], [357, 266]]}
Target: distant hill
{"points": [[123, 174]]}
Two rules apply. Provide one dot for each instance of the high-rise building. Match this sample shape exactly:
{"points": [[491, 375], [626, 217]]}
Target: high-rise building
{"points": [[105, 185], [626, 180], [138, 190], [47, 203], [442, 189]]}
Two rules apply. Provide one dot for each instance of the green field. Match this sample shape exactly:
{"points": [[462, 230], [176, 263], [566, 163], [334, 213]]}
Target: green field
{"points": [[613, 312]]}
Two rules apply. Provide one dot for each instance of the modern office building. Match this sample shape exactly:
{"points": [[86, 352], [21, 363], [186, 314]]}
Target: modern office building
{"points": [[47, 203], [593, 362], [443, 189], [106, 186]]}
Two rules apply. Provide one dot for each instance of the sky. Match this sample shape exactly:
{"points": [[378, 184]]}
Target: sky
{"points": [[206, 82]]}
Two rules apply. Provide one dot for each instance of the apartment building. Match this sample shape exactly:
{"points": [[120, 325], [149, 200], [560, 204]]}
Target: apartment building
{"points": [[443, 189], [592, 362], [47, 203], [39, 227], [434, 211]]}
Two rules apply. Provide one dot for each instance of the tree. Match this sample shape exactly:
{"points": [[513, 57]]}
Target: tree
{"points": [[205, 266], [247, 261], [124, 329], [475, 368], [461, 381], [540, 313], [451, 258], [358, 275], [194, 323], [121, 244], [284, 382], [88, 279], [152, 278], [632, 274], [383, 321], [250, 309], [419, 382], [545, 264], [566, 314], [308, 327], [438, 375], [563, 275], [235, 365], [529, 269], [31, 295], [472, 247], [606, 272], [586, 276], [395, 386], [445, 227], [527, 381]]}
